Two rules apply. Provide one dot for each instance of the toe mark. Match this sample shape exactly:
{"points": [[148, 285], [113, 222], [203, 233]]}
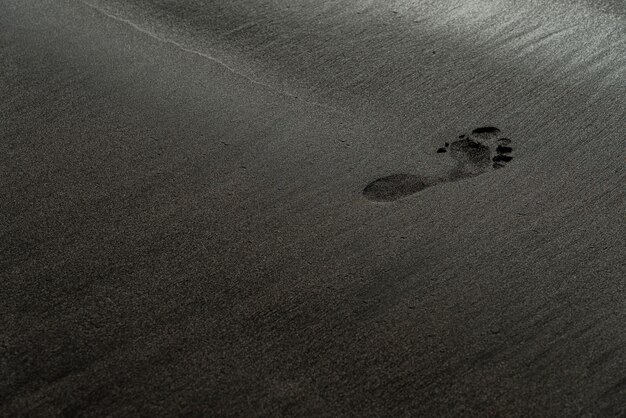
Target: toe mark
{"points": [[502, 158], [504, 149], [486, 130]]}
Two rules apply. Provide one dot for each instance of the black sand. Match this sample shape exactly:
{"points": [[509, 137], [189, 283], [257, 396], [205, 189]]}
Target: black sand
{"points": [[185, 232]]}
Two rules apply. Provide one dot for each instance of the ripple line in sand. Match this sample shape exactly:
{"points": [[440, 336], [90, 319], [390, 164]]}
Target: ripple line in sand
{"points": [[210, 58]]}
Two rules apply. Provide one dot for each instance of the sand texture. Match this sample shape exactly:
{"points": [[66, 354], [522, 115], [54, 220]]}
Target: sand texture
{"points": [[312, 208]]}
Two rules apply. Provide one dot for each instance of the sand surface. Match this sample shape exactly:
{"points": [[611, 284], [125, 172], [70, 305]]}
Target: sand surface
{"points": [[329, 208]]}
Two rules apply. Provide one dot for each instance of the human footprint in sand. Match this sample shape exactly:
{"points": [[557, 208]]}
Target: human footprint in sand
{"points": [[473, 154]]}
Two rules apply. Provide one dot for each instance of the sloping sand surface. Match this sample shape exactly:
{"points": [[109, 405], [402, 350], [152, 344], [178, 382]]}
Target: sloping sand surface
{"points": [[288, 208]]}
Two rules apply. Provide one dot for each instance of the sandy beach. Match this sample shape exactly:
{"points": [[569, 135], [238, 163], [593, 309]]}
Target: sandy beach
{"points": [[298, 208]]}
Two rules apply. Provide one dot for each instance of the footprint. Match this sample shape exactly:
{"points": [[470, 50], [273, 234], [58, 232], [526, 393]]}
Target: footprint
{"points": [[472, 153]]}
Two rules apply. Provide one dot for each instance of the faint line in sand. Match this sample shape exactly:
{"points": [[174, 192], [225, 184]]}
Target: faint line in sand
{"points": [[210, 58]]}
